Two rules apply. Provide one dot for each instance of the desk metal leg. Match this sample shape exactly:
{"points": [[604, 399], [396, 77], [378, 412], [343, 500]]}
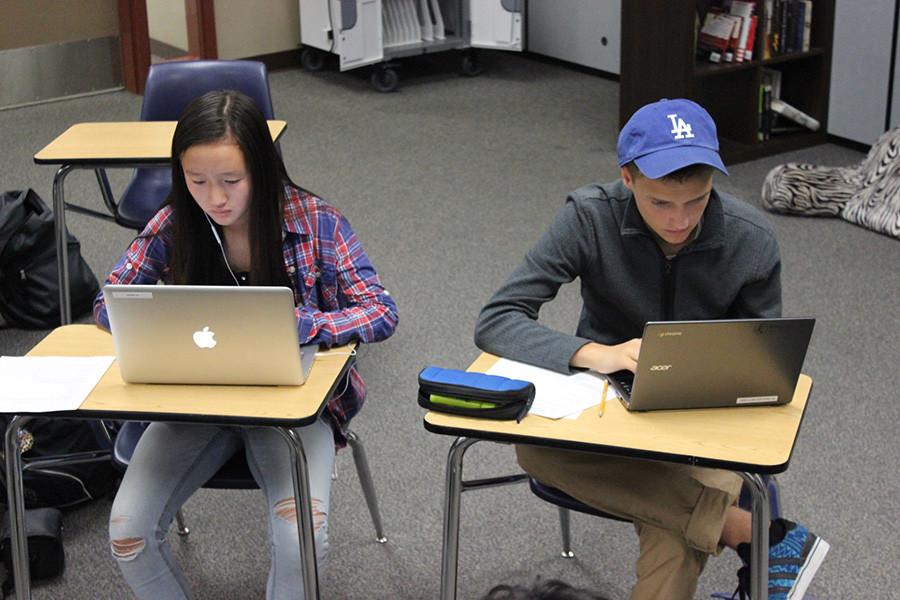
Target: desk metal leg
{"points": [[62, 248], [303, 505], [15, 495], [368, 486], [454, 487], [759, 547]]}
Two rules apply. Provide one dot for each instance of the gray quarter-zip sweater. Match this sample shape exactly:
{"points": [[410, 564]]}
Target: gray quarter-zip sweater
{"points": [[731, 270]]}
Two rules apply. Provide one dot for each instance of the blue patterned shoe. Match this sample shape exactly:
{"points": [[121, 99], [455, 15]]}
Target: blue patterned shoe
{"points": [[794, 561]]}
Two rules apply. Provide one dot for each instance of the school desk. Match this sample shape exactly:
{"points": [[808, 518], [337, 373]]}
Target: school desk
{"points": [[281, 407], [751, 441]]}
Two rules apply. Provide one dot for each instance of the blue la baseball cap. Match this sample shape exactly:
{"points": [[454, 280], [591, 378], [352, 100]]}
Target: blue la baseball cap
{"points": [[668, 135]]}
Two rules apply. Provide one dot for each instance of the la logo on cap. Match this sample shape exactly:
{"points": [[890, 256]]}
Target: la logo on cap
{"points": [[680, 129]]}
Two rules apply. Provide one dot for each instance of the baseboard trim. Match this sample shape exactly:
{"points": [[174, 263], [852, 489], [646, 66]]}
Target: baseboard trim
{"points": [[47, 72], [848, 143], [286, 59], [571, 65]]}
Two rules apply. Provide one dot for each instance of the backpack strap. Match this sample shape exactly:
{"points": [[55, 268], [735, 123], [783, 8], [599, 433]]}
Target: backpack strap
{"points": [[13, 215]]}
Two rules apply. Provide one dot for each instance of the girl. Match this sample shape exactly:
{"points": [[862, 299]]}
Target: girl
{"points": [[235, 217]]}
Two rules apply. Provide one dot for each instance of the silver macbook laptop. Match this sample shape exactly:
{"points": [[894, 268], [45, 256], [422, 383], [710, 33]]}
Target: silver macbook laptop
{"points": [[207, 334], [705, 364]]}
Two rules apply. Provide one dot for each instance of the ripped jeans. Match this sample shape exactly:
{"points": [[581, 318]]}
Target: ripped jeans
{"points": [[172, 460]]}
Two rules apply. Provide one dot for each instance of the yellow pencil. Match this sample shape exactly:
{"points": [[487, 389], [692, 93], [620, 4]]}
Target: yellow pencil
{"points": [[603, 397]]}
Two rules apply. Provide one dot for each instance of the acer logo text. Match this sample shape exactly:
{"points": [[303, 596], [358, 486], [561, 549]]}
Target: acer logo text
{"points": [[660, 367]]}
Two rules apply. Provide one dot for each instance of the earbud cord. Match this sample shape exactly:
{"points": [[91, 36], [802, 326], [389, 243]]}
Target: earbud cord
{"points": [[222, 248]]}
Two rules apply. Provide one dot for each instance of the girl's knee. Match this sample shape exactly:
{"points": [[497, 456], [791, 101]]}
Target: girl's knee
{"points": [[124, 544], [285, 510]]}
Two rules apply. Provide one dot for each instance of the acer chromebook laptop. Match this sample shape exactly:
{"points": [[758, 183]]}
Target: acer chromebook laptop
{"points": [[207, 335], [705, 364]]}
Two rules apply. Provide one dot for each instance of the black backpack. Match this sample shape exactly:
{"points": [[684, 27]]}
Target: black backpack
{"points": [[61, 486], [46, 556], [29, 283]]}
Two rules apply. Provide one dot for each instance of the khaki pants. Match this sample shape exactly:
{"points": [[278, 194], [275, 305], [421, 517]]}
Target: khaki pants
{"points": [[678, 510]]}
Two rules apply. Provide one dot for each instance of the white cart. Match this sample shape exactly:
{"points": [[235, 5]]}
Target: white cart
{"points": [[376, 32]]}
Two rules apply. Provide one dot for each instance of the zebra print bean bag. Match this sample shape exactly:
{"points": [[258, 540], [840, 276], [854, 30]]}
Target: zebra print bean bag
{"points": [[867, 194]]}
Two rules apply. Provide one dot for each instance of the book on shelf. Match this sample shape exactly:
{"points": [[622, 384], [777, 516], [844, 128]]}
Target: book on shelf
{"points": [[763, 111], [742, 9], [768, 8], [794, 114], [769, 89], [728, 33], [751, 38], [807, 26], [735, 42], [787, 25], [773, 78], [714, 40]]}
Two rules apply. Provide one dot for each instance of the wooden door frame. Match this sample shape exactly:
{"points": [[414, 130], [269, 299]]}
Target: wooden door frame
{"points": [[134, 36]]}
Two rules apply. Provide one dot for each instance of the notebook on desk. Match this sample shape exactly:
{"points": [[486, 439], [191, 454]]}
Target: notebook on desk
{"points": [[706, 364], [207, 335]]}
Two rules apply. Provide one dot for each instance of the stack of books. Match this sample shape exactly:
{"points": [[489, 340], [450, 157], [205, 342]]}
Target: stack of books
{"points": [[777, 117], [728, 32], [786, 26], [729, 29]]}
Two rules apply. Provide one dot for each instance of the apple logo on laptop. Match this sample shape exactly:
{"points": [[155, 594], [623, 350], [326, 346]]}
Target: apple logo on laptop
{"points": [[205, 338]]}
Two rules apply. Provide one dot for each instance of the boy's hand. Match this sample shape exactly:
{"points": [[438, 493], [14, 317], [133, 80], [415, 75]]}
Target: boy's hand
{"points": [[608, 359]]}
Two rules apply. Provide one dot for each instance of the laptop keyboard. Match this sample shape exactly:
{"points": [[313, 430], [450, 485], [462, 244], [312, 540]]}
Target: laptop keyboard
{"points": [[624, 379]]}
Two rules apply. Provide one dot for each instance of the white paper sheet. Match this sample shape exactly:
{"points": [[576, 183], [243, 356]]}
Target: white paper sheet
{"points": [[556, 395], [31, 384]]}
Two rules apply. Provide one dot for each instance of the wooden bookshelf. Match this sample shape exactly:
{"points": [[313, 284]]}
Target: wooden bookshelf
{"points": [[659, 61]]}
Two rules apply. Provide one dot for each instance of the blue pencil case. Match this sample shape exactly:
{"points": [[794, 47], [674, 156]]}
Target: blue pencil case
{"points": [[474, 394]]}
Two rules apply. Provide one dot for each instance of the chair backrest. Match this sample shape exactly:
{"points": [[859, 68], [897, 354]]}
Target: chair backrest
{"points": [[172, 85]]}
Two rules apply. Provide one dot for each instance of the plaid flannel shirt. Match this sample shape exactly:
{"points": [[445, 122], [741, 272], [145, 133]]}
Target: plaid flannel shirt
{"points": [[339, 296]]}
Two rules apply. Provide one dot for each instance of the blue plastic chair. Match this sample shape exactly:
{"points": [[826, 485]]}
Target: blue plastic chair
{"points": [[171, 86], [566, 503]]}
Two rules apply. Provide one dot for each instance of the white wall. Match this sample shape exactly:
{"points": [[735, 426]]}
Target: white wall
{"points": [[573, 30], [167, 21], [860, 69], [260, 27]]}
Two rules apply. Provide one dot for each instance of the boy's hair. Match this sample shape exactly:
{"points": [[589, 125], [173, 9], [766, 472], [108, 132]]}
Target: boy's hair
{"points": [[550, 589], [694, 171]]}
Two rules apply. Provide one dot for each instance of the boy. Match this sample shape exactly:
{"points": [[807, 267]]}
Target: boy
{"points": [[659, 244]]}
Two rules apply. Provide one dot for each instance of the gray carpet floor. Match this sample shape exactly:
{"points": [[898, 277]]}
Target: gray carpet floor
{"points": [[447, 183]]}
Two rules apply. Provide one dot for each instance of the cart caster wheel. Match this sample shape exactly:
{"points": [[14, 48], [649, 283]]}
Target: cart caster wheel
{"points": [[312, 60], [469, 65], [385, 79]]}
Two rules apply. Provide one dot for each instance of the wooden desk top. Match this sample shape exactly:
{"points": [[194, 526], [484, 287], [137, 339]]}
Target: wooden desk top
{"points": [[759, 439], [122, 142], [261, 405]]}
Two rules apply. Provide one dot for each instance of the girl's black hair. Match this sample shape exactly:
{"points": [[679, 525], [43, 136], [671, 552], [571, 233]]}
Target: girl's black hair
{"points": [[196, 257]]}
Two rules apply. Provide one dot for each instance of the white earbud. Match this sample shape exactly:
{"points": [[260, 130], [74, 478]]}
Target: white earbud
{"points": [[215, 232], [221, 247]]}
